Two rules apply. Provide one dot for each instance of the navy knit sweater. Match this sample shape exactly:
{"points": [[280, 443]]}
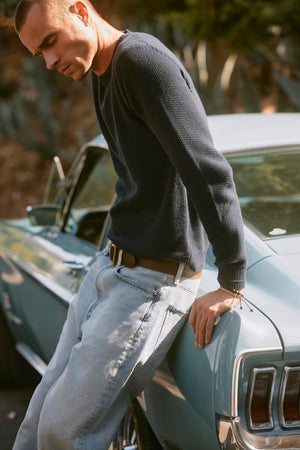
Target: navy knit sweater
{"points": [[175, 191]]}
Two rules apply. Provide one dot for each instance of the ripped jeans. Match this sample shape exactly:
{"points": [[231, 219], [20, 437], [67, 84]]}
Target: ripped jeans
{"points": [[118, 330]]}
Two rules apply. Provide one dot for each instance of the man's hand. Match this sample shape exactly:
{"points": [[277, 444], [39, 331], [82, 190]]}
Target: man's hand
{"points": [[205, 310]]}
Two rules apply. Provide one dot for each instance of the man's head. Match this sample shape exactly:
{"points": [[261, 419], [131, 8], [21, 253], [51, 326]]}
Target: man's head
{"points": [[62, 31]]}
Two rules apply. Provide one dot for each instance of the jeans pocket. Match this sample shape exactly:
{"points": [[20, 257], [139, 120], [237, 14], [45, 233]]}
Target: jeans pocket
{"points": [[188, 286], [139, 278], [172, 322], [177, 302]]}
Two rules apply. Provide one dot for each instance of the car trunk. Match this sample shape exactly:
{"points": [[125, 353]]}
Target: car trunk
{"points": [[278, 291]]}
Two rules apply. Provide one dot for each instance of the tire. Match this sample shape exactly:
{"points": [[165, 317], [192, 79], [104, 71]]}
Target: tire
{"points": [[14, 370], [135, 432]]}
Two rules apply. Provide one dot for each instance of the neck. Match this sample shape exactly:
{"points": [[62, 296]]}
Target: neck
{"points": [[107, 40]]}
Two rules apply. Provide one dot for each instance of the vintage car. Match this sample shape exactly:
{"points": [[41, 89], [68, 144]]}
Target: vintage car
{"points": [[242, 390]]}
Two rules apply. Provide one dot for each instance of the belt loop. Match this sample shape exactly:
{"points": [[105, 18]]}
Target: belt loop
{"points": [[120, 257], [108, 247], [179, 272]]}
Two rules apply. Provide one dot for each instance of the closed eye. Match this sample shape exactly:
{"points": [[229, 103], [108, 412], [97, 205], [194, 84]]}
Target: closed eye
{"points": [[50, 42], [47, 43]]}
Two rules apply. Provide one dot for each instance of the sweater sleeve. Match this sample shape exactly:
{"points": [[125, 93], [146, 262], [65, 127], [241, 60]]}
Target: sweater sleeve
{"points": [[161, 94]]}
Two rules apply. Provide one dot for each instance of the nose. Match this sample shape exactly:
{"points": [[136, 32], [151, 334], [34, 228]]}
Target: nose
{"points": [[51, 59]]}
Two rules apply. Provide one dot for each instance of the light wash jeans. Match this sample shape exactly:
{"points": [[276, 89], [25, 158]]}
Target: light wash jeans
{"points": [[118, 330]]}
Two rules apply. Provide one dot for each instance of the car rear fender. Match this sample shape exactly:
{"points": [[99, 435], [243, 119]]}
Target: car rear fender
{"points": [[208, 378]]}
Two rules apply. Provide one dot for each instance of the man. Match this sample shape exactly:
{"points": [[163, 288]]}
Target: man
{"points": [[174, 190]]}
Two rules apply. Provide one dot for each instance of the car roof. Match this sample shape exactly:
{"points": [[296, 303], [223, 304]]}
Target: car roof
{"points": [[238, 132]]}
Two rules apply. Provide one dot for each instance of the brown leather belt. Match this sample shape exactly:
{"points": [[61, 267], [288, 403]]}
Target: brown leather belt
{"points": [[160, 265]]}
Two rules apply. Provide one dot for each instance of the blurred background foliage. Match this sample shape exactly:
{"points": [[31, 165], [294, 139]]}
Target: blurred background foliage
{"points": [[243, 56]]}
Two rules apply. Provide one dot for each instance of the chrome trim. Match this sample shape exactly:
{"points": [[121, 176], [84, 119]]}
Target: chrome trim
{"points": [[75, 171], [32, 358], [56, 167], [59, 168], [72, 189], [267, 425], [233, 436], [283, 422], [236, 370]]}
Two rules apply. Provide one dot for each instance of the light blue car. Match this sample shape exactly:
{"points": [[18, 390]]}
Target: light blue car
{"points": [[242, 391]]}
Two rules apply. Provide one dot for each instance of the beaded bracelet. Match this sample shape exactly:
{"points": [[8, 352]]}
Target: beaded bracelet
{"points": [[236, 294]]}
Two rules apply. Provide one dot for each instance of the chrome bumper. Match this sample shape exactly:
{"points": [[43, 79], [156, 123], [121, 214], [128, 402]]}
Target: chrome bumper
{"points": [[233, 436]]}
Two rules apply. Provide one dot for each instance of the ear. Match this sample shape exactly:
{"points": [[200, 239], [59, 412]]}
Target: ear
{"points": [[81, 10]]}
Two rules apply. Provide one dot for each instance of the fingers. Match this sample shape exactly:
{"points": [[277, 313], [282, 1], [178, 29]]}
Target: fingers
{"points": [[193, 315], [202, 322], [204, 312], [204, 329], [209, 329], [200, 331]]}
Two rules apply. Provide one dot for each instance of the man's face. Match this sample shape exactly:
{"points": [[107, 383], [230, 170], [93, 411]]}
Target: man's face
{"points": [[67, 43]]}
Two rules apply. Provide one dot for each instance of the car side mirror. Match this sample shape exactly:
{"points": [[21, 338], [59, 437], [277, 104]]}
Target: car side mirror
{"points": [[43, 215]]}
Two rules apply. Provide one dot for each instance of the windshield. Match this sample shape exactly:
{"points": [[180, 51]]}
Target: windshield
{"points": [[268, 186]]}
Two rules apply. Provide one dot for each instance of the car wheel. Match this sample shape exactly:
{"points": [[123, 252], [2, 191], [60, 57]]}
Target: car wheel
{"points": [[14, 370], [135, 432]]}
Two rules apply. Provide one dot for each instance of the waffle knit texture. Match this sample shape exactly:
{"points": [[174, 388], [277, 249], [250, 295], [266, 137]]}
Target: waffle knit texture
{"points": [[175, 191]]}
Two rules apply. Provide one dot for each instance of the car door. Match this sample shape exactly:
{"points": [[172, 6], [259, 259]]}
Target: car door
{"points": [[54, 260]]}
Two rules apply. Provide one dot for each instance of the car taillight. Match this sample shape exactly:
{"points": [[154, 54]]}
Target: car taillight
{"points": [[289, 400], [260, 398]]}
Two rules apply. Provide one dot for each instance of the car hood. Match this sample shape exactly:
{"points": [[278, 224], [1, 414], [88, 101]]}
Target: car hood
{"points": [[274, 288], [288, 251], [288, 245]]}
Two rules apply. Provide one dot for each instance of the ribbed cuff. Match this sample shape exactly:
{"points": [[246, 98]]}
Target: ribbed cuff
{"points": [[232, 276]]}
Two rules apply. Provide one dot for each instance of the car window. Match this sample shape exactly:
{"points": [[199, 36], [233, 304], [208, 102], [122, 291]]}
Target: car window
{"points": [[55, 187], [268, 186], [92, 197]]}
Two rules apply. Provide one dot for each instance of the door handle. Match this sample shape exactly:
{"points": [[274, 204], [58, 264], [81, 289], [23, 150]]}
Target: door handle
{"points": [[75, 267]]}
